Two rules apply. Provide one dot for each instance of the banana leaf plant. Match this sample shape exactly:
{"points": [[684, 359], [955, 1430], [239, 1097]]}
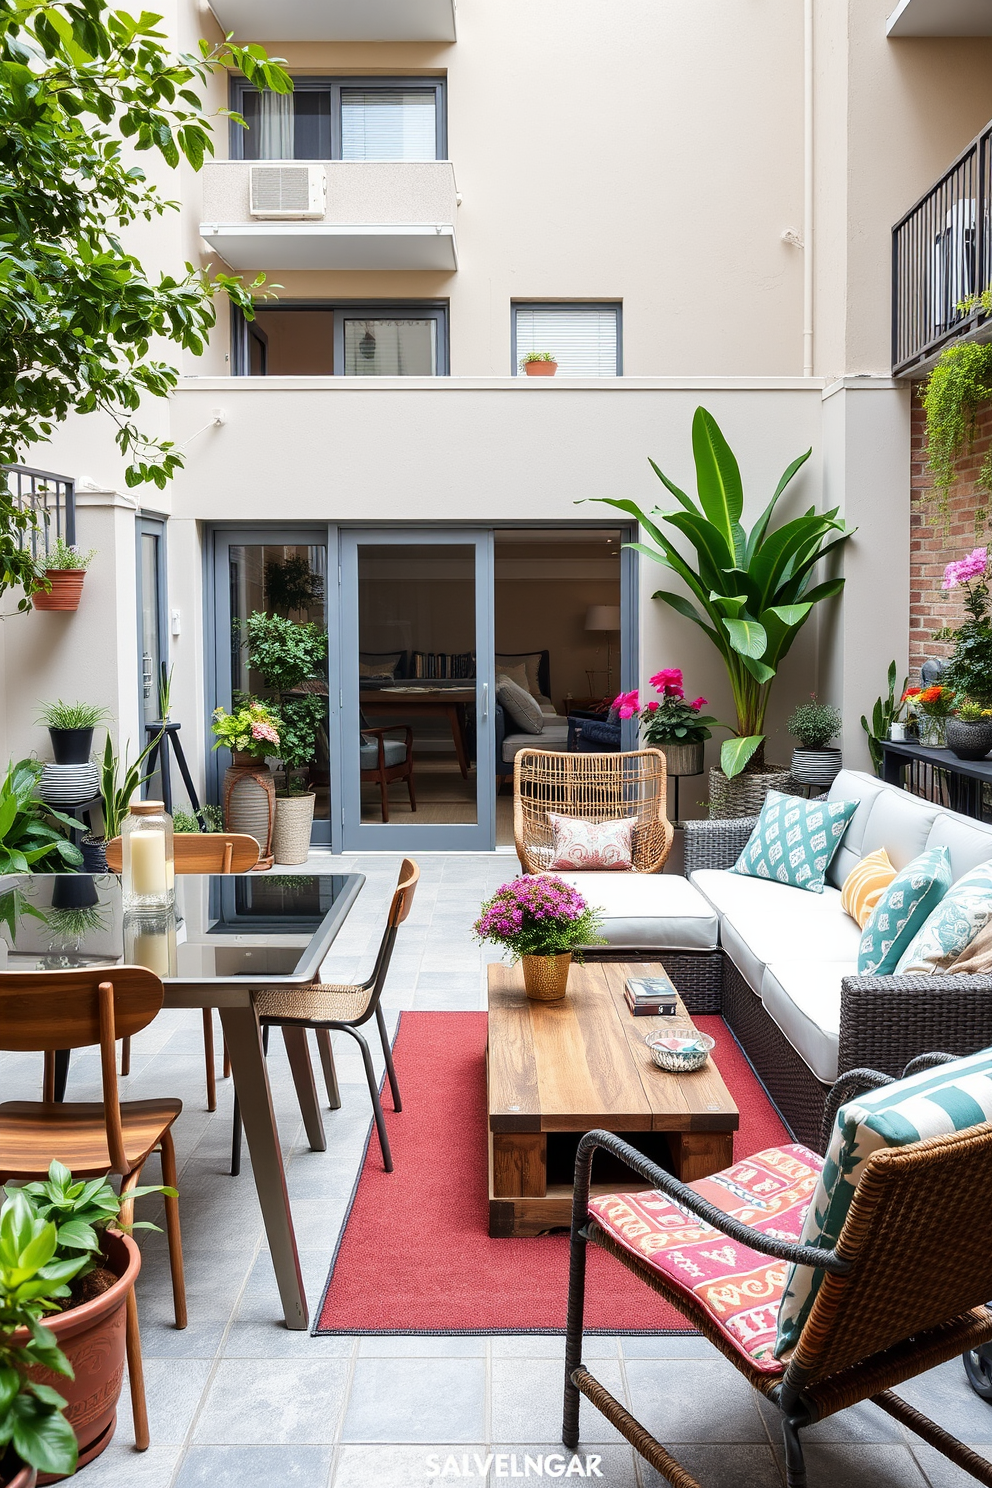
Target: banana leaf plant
{"points": [[754, 590]]}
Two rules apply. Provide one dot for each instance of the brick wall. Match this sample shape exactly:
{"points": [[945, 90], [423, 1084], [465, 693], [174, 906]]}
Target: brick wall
{"points": [[934, 545]]}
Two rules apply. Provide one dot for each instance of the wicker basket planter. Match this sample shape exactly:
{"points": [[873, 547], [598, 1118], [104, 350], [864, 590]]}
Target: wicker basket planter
{"points": [[250, 803], [744, 795], [683, 759], [546, 977], [816, 767], [291, 833], [66, 590], [969, 741]]}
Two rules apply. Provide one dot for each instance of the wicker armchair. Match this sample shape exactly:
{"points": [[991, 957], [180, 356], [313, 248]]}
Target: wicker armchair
{"points": [[884, 1021], [597, 787], [903, 1291]]}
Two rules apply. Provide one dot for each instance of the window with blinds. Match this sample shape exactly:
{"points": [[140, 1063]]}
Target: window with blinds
{"points": [[388, 126], [583, 339]]}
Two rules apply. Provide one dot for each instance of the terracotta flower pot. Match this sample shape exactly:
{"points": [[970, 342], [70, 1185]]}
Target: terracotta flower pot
{"points": [[250, 803], [546, 977], [92, 1339], [291, 834], [540, 369], [66, 590]]}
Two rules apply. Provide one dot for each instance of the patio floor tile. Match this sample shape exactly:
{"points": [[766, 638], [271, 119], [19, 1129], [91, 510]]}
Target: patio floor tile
{"points": [[416, 1400]]}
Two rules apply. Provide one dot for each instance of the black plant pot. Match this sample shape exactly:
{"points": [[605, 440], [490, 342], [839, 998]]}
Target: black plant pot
{"points": [[74, 891], [94, 855], [969, 741], [71, 746]]}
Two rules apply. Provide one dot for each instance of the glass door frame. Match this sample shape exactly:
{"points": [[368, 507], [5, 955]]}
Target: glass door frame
{"points": [[217, 672], [359, 836]]}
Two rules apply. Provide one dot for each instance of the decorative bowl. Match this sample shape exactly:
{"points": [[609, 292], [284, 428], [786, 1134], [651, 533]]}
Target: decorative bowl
{"points": [[679, 1050]]}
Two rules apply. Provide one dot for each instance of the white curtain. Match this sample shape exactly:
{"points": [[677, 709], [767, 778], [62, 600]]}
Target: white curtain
{"points": [[275, 127], [582, 340]]}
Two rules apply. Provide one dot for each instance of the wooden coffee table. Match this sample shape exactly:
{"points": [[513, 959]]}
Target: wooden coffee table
{"points": [[558, 1069]]}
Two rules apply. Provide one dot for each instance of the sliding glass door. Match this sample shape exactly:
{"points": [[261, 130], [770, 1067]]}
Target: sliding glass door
{"points": [[417, 762]]}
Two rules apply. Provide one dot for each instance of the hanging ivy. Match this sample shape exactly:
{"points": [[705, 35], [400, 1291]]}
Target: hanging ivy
{"points": [[958, 386]]}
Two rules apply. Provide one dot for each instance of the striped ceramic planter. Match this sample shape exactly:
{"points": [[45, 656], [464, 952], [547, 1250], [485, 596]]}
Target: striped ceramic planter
{"points": [[816, 766]]}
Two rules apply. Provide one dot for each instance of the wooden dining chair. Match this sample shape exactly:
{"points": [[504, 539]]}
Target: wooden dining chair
{"points": [[346, 1007], [199, 852], [77, 1009]]}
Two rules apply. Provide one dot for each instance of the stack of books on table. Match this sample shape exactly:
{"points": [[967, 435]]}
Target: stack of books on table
{"points": [[650, 997]]}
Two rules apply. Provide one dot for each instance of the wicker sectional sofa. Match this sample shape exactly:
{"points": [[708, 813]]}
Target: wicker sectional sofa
{"points": [[781, 963]]}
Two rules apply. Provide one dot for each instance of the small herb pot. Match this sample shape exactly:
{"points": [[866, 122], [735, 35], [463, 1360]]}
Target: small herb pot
{"points": [[71, 746], [66, 590], [969, 740]]}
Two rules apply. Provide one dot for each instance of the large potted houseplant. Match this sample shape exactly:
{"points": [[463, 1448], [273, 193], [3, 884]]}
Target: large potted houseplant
{"points": [[670, 723], [543, 922], [752, 593], [814, 724], [62, 571], [89, 1249], [251, 733]]}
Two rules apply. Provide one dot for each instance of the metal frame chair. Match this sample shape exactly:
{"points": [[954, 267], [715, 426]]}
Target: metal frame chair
{"points": [[901, 1293], [597, 787], [199, 852], [345, 1007]]}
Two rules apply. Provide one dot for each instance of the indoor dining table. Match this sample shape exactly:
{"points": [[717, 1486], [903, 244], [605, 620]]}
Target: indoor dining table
{"points": [[227, 937]]}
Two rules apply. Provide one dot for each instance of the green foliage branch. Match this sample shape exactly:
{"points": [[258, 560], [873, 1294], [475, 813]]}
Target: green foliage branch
{"points": [[753, 591]]}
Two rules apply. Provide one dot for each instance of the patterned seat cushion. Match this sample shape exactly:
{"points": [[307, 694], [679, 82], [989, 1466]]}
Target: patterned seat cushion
{"points": [[740, 1288]]}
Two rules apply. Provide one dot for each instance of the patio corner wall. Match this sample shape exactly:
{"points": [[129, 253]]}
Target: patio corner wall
{"points": [[936, 541]]}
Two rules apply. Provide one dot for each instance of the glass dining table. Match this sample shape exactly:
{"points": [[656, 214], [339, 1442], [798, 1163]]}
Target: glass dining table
{"points": [[227, 936]]}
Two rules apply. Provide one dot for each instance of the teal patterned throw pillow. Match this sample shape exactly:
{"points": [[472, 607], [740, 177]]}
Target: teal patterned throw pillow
{"points": [[795, 840], [965, 909], [933, 1103], [903, 909]]}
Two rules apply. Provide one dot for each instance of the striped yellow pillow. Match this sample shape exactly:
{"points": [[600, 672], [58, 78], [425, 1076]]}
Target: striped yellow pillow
{"points": [[865, 885]]}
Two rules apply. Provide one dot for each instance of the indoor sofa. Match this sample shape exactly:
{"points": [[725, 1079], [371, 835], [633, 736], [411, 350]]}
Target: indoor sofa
{"points": [[781, 963]]}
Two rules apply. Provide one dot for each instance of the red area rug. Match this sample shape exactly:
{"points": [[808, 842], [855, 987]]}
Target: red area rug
{"points": [[415, 1255]]}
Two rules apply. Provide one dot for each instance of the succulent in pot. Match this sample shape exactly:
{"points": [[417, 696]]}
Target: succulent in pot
{"points": [[814, 724], [969, 733], [62, 571]]}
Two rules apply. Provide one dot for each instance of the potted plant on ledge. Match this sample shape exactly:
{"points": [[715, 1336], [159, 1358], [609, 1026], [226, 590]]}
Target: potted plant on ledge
{"points": [[814, 724], [63, 570], [752, 593], [539, 364]]}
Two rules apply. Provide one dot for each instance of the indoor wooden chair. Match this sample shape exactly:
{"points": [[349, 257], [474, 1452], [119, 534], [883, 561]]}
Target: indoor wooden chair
{"points": [[75, 1010], [598, 788], [327, 1006], [384, 760], [903, 1290], [199, 852]]}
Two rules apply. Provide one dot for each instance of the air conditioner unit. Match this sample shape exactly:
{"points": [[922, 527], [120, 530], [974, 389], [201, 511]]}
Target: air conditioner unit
{"points": [[287, 192]]}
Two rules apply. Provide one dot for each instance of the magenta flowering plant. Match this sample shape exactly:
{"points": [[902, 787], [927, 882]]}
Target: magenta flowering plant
{"points": [[671, 718], [539, 915]]}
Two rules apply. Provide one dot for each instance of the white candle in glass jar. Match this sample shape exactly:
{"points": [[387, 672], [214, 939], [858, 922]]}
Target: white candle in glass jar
{"points": [[148, 868]]}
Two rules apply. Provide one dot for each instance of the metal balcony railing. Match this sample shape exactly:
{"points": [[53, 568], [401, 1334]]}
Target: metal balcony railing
{"points": [[52, 499], [942, 261]]}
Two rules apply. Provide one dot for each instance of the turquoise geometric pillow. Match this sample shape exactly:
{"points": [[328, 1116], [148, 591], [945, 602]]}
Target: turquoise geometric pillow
{"points": [[904, 908], [965, 909], [949, 1098], [795, 840]]}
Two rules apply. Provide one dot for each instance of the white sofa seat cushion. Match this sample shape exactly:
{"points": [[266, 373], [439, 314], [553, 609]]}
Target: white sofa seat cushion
{"points": [[554, 737], [803, 998], [762, 922], [650, 911]]}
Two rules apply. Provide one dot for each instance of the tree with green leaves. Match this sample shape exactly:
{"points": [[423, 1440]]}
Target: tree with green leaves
{"points": [[82, 90], [754, 590]]}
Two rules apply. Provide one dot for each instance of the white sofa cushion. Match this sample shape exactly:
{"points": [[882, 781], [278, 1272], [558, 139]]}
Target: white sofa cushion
{"points": [[554, 737], [762, 922], [650, 910], [803, 998]]}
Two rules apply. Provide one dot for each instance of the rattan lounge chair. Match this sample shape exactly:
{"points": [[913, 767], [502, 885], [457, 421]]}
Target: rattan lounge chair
{"points": [[598, 787], [903, 1290]]}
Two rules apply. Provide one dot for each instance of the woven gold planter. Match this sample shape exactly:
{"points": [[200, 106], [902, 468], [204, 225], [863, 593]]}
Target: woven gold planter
{"points": [[546, 977]]}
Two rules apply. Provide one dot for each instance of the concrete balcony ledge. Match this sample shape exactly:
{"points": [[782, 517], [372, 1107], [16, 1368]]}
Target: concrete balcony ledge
{"points": [[377, 214], [337, 20]]}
